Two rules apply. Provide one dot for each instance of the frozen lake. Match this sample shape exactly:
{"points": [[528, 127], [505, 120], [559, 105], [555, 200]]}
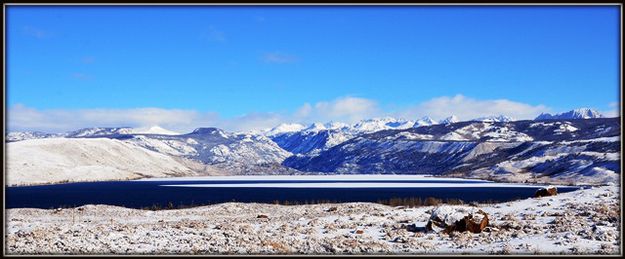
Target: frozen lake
{"points": [[186, 191]]}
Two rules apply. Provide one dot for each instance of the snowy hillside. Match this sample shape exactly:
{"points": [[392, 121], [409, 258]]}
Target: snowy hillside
{"points": [[99, 132], [88, 133], [235, 152], [40, 161], [563, 150], [318, 137], [24, 135], [587, 151]]}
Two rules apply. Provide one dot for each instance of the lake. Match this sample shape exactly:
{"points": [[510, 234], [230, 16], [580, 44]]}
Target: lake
{"points": [[195, 191]]}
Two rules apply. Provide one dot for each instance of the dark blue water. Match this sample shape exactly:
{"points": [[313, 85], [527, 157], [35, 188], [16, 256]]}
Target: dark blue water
{"points": [[142, 194]]}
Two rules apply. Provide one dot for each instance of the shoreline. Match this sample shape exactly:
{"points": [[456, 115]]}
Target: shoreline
{"points": [[339, 176]]}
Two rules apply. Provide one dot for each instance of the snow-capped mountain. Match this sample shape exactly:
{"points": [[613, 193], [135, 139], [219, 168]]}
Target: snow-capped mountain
{"points": [[285, 128], [103, 132], [493, 118], [154, 130], [584, 150], [373, 125], [425, 121], [492, 148], [315, 127], [51, 160], [318, 136], [335, 125], [582, 113], [98, 132], [449, 120], [234, 152], [25, 135]]}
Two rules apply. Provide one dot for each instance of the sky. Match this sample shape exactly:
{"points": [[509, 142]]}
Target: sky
{"points": [[251, 67]]}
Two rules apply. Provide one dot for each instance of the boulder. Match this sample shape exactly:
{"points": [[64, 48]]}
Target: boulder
{"points": [[448, 219], [548, 191]]}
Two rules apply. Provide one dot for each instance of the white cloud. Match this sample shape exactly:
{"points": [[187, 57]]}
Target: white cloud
{"points": [[613, 111], [21, 117], [304, 111], [466, 108], [346, 109]]}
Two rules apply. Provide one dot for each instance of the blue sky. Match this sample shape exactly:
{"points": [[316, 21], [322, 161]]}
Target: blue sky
{"points": [[221, 65]]}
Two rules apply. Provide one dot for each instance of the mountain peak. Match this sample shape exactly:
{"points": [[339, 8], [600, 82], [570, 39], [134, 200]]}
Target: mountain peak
{"points": [[154, 130], [99, 131], [383, 123], [285, 128], [209, 130], [493, 118], [335, 125], [425, 121], [450, 119], [580, 113], [315, 127]]}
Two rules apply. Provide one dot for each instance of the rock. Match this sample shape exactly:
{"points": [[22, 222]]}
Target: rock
{"points": [[548, 191], [414, 228], [262, 216], [490, 229], [449, 219], [331, 209]]}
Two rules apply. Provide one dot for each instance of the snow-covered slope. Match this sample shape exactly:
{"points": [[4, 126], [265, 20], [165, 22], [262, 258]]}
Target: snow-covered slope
{"points": [[99, 132], [52, 160], [495, 148], [318, 137], [584, 151], [235, 152], [24, 135], [96, 132], [582, 113]]}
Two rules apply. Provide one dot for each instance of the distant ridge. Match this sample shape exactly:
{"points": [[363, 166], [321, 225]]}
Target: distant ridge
{"points": [[581, 113]]}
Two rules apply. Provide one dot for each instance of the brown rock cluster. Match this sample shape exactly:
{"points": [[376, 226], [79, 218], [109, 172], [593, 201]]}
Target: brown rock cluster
{"points": [[447, 219], [549, 191]]}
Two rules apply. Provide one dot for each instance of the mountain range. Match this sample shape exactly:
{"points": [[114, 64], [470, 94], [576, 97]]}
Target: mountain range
{"points": [[580, 146]]}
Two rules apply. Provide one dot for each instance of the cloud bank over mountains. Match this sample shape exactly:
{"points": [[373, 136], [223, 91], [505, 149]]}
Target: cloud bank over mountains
{"points": [[346, 109]]}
